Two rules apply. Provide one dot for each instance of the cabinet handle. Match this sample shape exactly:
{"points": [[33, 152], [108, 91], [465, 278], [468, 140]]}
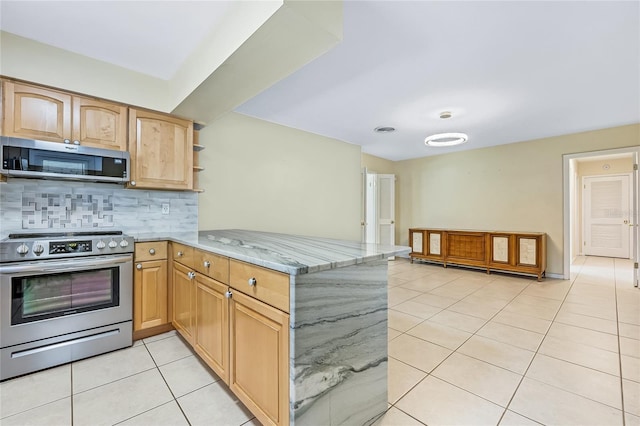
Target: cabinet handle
{"points": [[139, 266], [180, 254], [132, 183], [191, 275], [207, 263], [152, 251], [76, 142], [228, 294], [252, 282], [67, 141]]}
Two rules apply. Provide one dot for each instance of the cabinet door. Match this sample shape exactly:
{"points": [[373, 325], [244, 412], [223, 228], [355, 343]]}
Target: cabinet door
{"points": [[99, 124], [211, 340], [150, 294], [32, 112], [183, 301], [259, 358], [161, 148]]}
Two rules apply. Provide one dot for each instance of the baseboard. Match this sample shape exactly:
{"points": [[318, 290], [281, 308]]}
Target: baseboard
{"points": [[148, 332]]}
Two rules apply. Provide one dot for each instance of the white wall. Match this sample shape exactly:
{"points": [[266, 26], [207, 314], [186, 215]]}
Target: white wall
{"points": [[263, 176], [515, 187]]}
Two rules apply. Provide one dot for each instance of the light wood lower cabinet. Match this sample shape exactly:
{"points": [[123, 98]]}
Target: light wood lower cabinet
{"points": [[150, 285], [259, 353], [243, 337], [184, 292], [521, 252], [211, 337]]}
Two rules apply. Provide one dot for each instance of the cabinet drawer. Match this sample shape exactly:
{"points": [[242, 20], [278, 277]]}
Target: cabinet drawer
{"points": [[271, 287], [183, 254], [150, 251], [212, 265]]}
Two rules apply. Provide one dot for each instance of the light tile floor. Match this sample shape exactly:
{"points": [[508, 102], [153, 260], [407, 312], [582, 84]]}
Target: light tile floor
{"points": [[465, 348], [158, 381]]}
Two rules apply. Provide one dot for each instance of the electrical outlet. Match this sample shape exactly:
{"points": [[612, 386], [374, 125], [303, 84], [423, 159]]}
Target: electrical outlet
{"points": [[166, 208]]}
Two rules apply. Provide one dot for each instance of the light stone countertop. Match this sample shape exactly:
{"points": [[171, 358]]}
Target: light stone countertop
{"points": [[291, 254]]}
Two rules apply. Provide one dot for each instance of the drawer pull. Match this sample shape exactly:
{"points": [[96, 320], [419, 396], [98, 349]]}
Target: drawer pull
{"points": [[252, 282], [152, 251], [138, 266], [191, 275], [228, 294], [180, 254], [206, 263]]}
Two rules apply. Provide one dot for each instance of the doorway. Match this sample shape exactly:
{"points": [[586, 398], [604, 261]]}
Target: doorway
{"points": [[379, 208], [606, 215], [600, 167]]}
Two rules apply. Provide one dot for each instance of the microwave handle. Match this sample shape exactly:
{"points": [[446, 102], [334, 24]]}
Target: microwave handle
{"points": [[71, 265]]}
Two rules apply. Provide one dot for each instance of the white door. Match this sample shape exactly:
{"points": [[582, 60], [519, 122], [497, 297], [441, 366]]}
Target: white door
{"points": [[370, 208], [636, 219], [606, 215], [386, 209]]}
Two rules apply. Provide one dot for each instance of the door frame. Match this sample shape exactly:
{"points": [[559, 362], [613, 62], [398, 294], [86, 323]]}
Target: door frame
{"points": [[566, 190], [583, 209]]}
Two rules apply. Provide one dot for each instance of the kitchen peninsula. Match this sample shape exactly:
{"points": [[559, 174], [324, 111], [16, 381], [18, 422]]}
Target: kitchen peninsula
{"points": [[304, 320]]}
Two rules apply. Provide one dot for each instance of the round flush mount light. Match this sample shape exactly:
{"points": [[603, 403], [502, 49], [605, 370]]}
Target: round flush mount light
{"points": [[446, 139], [384, 129], [445, 114]]}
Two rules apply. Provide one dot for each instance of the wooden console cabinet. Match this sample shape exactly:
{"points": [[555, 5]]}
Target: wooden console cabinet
{"points": [[521, 252]]}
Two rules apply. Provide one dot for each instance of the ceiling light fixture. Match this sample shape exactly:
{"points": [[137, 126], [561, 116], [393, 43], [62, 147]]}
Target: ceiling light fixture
{"points": [[384, 129], [445, 114], [446, 139]]}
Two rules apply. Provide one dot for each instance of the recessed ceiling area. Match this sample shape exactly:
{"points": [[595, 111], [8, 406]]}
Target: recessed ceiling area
{"points": [[507, 71]]}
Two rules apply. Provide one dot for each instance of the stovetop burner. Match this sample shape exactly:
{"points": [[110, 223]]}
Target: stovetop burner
{"points": [[62, 234]]}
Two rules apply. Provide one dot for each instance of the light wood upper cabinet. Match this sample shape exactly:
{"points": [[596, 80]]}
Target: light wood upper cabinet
{"points": [[99, 124], [33, 112], [161, 148]]}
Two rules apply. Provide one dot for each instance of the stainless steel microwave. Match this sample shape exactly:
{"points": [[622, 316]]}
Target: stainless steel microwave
{"points": [[53, 160]]}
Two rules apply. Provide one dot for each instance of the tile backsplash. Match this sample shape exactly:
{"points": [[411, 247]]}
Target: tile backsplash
{"points": [[27, 204]]}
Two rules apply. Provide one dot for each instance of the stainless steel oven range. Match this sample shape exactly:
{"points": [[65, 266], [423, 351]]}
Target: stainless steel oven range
{"points": [[63, 297]]}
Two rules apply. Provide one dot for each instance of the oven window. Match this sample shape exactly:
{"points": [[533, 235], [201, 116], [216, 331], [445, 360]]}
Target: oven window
{"points": [[41, 297]]}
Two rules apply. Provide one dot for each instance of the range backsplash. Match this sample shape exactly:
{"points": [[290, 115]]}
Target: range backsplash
{"points": [[27, 204]]}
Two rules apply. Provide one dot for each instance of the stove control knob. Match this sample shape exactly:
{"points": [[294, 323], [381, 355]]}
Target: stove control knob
{"points": [[37, 249], [22, 249], [100, 245], [113, 244], [124, 243]]}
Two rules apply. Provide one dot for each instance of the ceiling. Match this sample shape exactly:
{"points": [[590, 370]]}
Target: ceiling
{"points": [[508, 71]]}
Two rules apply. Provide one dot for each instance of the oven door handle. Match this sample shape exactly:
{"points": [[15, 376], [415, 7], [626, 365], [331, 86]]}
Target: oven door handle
{"points": [[69, 265]]}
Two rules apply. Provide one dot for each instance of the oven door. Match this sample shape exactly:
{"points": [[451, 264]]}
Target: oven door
{"points": [[40, 300]]}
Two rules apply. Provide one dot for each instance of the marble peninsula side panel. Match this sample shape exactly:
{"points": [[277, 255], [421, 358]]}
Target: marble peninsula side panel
{"points": [[338, 347]]}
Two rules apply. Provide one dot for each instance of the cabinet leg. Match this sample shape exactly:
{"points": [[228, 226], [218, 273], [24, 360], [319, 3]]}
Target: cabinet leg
{"points": [[488, 272]]}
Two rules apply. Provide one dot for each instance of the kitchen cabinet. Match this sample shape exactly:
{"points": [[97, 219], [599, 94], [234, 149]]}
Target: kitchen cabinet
{"points": [[259, 358], [184, 294], [34, 112], [211, 337], [150, 286], [520, 252], [161, 149]]}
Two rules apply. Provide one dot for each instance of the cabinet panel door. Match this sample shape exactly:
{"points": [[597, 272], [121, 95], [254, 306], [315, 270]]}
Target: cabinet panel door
{"points": [[183, 295], [99, 124], [259, 358], [212, 325], [150, 295], [161, 149], [35, 113]]}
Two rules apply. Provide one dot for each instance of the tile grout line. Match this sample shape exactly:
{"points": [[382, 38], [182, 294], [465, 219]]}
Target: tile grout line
{"points": [[615, 290]]}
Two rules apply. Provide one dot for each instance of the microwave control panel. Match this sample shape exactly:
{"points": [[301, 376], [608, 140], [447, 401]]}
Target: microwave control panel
{"points": [[70, 247]]}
